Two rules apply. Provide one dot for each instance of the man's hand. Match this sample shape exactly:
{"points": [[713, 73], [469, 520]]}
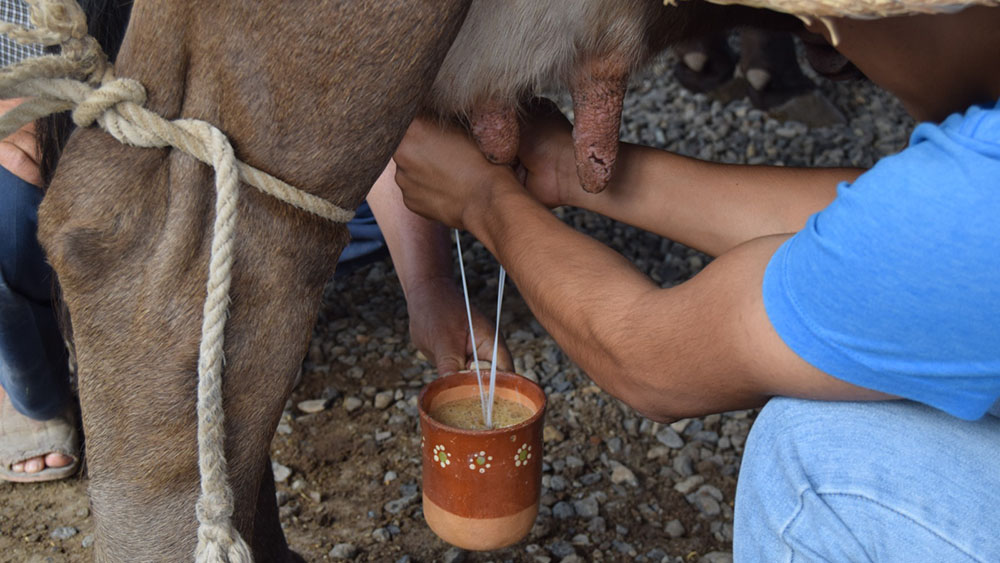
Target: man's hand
{"points": [[19, 151], [546, 155], [440, 329], [444, 176]]}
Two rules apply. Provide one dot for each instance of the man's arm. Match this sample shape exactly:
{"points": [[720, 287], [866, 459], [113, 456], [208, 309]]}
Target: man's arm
{"points": [[709, 206], [704, 346]]}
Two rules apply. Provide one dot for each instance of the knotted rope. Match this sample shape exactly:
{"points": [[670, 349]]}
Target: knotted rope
{"points": [[81, 78]]}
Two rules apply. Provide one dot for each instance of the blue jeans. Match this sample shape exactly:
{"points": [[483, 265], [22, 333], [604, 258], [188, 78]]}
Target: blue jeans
{"points": [[367, 243], [884, 481], [33, 362]]}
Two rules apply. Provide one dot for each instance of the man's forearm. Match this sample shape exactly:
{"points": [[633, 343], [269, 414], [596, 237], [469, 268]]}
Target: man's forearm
{"points": [[583, 292], [708, 206]]}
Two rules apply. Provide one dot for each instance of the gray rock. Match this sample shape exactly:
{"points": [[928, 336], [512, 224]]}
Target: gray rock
{"points": [[674, 529], [454, 555], [381, 535], [558, 483], [63, 533], [352, 404], [590, 478], [384, 399], [621, 474], [623, 548], [586, 507], [343, 551], [397, 506], [670, 438], [561, 548], [88, 541], [597, 525], [716, 557], [312, 406], [704, 502], [689, 484], [712, 491], [706, 436], [656, 554], [563, 510], [281, 472], [683, 464], [614, 445]]}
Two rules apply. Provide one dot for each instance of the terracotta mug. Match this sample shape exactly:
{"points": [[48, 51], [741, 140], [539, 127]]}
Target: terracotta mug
{"points": [[481, 487]]}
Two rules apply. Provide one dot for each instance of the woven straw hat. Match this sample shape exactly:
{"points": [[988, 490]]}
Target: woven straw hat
{"points": [[859, 8]]}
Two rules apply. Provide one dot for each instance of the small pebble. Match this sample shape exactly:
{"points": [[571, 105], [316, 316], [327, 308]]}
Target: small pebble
{"points": [[63, 533], [281, 472], [621, 474], [687, 485], [674, 529], [343, 551], [716, 557], [384, 399], [670, 438], [454, 555], [563, 510], [586, 507], [352, 404], [312, 406]]}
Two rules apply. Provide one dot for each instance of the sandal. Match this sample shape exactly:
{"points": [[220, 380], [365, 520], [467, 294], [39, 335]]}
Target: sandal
{"points": [[23, 438]]}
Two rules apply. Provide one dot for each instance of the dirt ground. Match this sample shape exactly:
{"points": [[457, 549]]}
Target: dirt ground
{"points": [[346, 466]]}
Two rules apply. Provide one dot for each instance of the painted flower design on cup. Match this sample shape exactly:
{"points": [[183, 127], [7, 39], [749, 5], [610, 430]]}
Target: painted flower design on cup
{"points": [[441, 456], [522, 456], [480, 462]]}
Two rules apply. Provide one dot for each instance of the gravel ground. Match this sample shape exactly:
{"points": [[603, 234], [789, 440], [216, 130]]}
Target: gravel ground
{"points": [[616, 487]]}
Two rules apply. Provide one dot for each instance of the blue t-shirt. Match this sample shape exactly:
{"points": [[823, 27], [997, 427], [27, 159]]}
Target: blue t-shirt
{"points": [[895, 286]]}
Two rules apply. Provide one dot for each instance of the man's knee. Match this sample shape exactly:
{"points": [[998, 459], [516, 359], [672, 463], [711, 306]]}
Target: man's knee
{"points": [[828, 479]]}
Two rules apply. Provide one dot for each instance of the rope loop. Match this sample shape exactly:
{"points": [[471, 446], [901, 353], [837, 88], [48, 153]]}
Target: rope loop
{"points": [[105, 98]]}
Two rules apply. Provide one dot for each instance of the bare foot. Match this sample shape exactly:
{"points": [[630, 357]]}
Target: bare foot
{"points": [[36, 464]]}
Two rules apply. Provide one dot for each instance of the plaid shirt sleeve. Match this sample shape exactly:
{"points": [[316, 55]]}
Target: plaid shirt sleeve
{"points": [[15, 11]]}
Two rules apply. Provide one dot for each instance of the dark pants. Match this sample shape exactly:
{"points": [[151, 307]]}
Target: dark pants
{"points": [[33, 359]]}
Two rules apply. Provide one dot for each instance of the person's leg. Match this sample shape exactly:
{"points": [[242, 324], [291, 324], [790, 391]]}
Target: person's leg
{"points": [[367, 243], [886, 481], [33, 363]]}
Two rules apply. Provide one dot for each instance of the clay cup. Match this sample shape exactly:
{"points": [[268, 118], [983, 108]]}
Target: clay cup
{"points": [[481, 487]]}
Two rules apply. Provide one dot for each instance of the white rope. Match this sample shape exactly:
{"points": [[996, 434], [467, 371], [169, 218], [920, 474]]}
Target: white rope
{"points": [[486, 396], [81, 78], [496, 343], [472, 332]]}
